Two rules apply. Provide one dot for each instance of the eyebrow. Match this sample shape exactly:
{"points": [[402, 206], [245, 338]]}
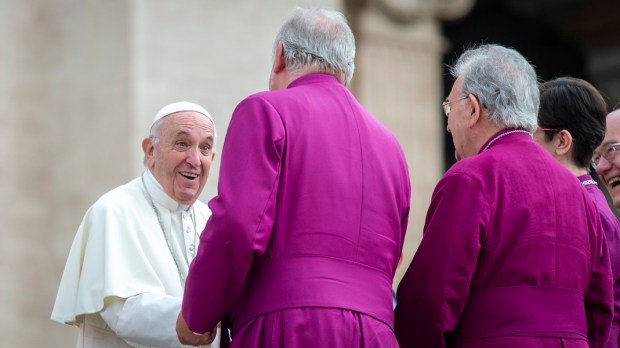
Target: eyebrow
{"points": [[609, 142], [182, 133]]}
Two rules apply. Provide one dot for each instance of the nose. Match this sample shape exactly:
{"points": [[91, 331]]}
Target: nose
{"points": [[193, 157]]}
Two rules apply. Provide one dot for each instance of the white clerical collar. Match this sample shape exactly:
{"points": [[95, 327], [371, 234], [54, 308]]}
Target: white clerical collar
{"points": [[159, 195]]}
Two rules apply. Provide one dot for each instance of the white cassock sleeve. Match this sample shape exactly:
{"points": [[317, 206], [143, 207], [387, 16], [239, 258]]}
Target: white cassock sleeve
{"points": [[147, 320]]}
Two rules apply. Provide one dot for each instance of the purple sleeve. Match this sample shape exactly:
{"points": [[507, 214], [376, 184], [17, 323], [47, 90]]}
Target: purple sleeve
{"points": [[434, 290], [242, 214], [599, 295], [614, 334]]}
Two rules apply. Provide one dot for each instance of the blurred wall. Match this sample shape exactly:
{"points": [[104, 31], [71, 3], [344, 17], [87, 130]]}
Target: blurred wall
{"points": [[66, 126]]}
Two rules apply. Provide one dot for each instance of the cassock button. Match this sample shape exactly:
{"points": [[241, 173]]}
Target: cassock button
{"points": [[191, 247]]}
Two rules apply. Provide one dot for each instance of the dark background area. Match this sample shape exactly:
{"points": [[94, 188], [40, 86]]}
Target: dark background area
{"points": [[576, 38]]}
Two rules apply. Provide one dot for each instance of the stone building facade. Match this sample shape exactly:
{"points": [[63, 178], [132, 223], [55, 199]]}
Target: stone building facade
{"points": [[81, 80]]}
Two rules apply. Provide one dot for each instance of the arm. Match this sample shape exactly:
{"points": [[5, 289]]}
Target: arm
{"points": [[599, 295], [614, 249], [434, 290], [146, 320], [614, 334], [242, 214], [109, 261]]}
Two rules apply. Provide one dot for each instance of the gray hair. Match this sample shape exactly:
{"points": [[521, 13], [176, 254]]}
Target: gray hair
{"points": [[504, 82], [318, 38]]}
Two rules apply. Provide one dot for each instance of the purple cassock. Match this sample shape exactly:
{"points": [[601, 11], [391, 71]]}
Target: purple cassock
{"points": [[611, 227], [308, 225], [513, 255]]}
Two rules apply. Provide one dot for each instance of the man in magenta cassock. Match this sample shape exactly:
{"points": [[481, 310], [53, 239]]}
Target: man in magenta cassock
{"points": [[513, 254], [310, 217], [571, 122]]}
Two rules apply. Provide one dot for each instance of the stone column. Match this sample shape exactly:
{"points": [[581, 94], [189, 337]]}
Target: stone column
{"points": [[65, 124], [398, 78]]}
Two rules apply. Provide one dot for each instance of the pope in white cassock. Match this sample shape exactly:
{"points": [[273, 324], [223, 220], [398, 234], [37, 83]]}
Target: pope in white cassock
{"points": [[124, 278]]}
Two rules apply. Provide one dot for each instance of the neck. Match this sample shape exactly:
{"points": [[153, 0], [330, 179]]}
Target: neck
{"points": [[578, 171], [486, 130], [288, 77], [567, 162]]}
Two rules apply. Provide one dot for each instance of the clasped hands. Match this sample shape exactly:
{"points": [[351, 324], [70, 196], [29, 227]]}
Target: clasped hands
{"points": [[186, 336]]}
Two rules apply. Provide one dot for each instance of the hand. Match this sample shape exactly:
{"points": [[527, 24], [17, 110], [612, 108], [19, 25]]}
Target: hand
{"points": [[186, 336]]}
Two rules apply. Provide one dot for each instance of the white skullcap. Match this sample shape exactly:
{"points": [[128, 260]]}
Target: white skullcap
{"points": [[180, 106]]}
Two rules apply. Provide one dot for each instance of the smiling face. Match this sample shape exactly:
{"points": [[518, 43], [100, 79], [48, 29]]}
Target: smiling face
{"points": [[181, 157], [609, 169]]}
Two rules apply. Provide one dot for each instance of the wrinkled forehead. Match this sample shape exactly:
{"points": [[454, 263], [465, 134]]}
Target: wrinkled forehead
{"points": [[612, 132], [188, 122]]}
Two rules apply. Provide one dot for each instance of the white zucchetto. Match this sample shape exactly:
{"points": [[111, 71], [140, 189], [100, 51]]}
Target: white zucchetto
{"points": [[181, 106]]}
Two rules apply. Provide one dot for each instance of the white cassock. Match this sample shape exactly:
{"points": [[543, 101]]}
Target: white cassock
{"points": [[124, 278]]}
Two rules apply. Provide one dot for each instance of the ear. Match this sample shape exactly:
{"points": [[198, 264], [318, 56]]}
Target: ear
{"points": [[564, 142], [148, 148], [278, 62], [475, 111]]}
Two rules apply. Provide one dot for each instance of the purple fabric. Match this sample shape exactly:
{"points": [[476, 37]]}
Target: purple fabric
{"points": [[308, 327], [611, 227], [311, 212], [527, 342], [513, 250]]}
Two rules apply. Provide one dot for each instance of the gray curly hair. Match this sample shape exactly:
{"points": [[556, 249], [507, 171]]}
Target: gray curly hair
{"points": [[504, 82], [320, 39]]}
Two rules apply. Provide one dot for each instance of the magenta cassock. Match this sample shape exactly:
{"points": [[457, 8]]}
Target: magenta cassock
{"points": [[513, 255], [308, 225]]}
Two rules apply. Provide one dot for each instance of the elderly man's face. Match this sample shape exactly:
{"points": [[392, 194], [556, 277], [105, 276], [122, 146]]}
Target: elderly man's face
{"points": [[608, 167], [181, 160]]}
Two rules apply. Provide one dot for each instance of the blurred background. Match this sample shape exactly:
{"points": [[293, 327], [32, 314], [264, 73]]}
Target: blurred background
{"points": [[80, 81]]}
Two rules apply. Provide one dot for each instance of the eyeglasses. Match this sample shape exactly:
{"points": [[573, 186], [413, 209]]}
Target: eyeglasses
{"points": [[446, 105], [608, 153], [547, 129]]}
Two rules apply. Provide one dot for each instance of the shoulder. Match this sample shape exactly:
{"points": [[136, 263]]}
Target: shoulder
{"points": [[256, 113], [473, 167], [461, 181], [480, 173], [119, 200], [461, 175], [266, 97], [257, 104], [608, 218]]}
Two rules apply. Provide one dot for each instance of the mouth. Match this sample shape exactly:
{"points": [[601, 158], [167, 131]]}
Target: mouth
{"points": [[192, 176], [613, 182]]}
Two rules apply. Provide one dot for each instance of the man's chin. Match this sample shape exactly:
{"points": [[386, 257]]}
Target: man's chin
{"points": [[616, 201], [187, 198], [614, 193]]}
